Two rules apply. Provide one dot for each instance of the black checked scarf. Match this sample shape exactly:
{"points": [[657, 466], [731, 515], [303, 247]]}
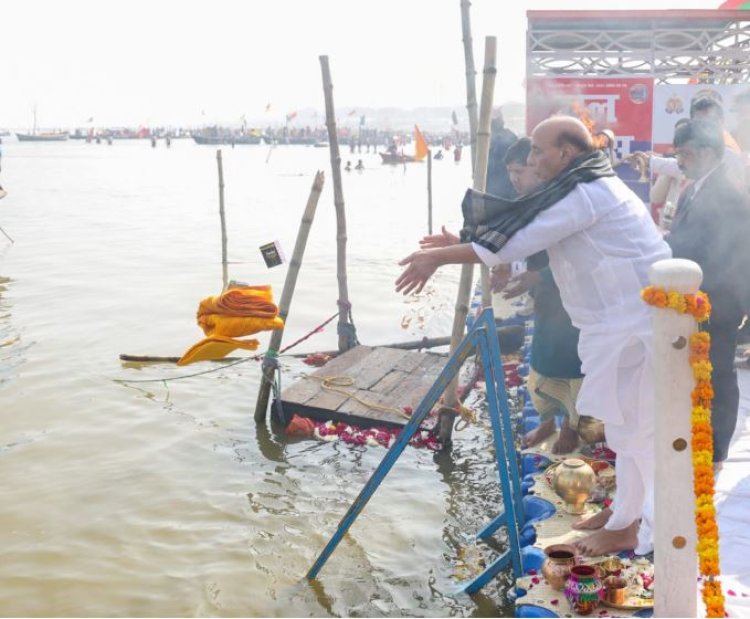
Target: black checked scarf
{"points": [[491, 221]]}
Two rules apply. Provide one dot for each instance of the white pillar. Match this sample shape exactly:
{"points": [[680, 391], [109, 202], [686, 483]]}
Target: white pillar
{"points": [[675, 558]]}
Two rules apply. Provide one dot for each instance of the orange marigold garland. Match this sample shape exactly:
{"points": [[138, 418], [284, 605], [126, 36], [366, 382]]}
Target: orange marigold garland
{"points": [[699, 306]]}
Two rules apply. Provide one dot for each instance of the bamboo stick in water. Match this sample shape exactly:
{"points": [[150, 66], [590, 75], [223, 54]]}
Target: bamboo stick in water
{"points": [[338, 200], [225, 275], [429, 191], [288, 291], [471, 106], [471, 88], [467, 270]]}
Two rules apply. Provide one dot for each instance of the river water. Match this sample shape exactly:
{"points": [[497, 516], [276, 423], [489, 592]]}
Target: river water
{"points": [[162, 498]]}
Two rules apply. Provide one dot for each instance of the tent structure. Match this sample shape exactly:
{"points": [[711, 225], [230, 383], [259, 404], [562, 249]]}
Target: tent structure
{"points": [[673, 46]]}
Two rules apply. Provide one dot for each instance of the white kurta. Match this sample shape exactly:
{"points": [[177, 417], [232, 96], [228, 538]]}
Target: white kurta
{"points": [[601, 241]]}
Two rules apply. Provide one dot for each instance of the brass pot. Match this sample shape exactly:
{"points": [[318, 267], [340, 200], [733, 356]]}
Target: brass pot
{"points": [[591, 429], [615, 590], [573, 481], [556, 566]]}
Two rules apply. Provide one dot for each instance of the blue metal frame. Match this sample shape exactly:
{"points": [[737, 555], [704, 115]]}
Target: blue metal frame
{"points": [[483, 335]]}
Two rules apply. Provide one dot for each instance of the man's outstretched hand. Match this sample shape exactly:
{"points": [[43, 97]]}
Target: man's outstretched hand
{"points": [[444, 239], [419, 268]]}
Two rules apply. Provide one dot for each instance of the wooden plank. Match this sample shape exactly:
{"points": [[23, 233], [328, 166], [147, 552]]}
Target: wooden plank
{"points": [[322, 414], [327, 399], [377, 365], [300, 391], [384, 376], [306, 388], [409, 362], [412, 390], [389, 381], [357, 409], [344, 362]]}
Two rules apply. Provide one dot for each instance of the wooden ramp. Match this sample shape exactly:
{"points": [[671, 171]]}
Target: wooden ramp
{"points": [[388, 377]]}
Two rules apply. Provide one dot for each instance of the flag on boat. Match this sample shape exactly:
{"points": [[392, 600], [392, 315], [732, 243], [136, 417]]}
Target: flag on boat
{"points": [[268, 107], [291, 116], [421, 149], [352, 113]]}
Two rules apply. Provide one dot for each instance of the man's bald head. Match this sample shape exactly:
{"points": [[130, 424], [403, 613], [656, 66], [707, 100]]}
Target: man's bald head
{"points": [[555, 142]]}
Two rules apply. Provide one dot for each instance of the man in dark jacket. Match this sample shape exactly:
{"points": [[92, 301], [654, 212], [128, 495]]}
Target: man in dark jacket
{"points": [[712, 227], [498, 181]]}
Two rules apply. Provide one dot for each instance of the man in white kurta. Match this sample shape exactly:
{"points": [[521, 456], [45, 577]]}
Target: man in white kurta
{"points": [[601, 242]]}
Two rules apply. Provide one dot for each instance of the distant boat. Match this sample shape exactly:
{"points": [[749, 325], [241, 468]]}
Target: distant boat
{"points": [[46, 136], [226, 139], [394, 158], [51, 136]]}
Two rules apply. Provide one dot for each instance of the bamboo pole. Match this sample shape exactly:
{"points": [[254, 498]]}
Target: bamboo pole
{"points": [[675, 561], [429, 191], [338, 200], [7, 235], [507, 335], [467, 270], [471, 88], [287, 293], [156, 359], [224, 272], [471, 106]]}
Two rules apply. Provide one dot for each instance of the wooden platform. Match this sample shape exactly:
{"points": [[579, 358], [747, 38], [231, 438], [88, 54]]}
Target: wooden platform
{"points": [[386, 376]]}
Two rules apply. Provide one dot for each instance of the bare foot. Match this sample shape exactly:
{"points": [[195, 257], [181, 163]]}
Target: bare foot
{"points": [[538, 434], [597, 521], [567, 441], [605, 541]]}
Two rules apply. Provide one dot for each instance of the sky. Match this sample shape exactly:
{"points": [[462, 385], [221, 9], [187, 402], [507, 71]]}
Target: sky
{"points": [[187, 63]]}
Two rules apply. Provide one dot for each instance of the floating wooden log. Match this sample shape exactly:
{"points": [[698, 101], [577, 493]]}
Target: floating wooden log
{"points": [[156, 359], [511, 338]]}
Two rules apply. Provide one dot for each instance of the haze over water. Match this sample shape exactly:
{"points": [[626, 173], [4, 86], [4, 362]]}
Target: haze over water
{"points": [[163, 499]]}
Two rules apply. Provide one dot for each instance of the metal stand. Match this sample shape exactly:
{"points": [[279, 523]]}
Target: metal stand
{"points": [[483, 336]]}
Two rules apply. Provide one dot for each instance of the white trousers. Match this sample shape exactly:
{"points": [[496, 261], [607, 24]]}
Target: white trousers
{"points": [[633, 442]]}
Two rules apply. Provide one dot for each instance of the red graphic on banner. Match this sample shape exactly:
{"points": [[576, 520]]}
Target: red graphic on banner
{"points": [[621, 105]]}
